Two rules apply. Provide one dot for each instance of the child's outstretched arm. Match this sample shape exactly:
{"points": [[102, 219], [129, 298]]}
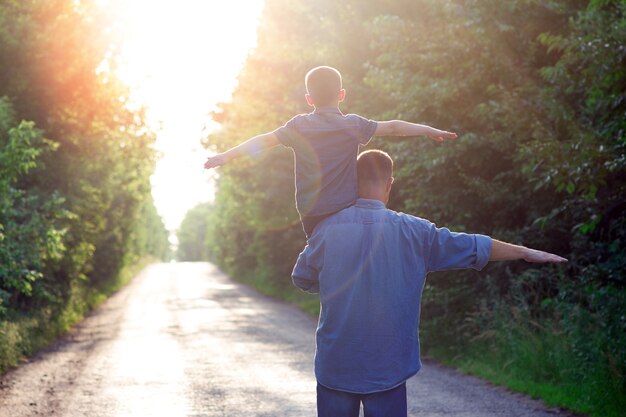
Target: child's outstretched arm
{"points": [[402, 128], [252, 146]]}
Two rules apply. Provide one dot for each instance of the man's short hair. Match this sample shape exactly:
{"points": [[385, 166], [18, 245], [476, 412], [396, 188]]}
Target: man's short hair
{"points": [[374, 166], [323, 85]]}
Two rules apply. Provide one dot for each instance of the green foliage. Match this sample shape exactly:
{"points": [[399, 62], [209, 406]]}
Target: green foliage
{"points": [[536, 91], [31, 233], [149, 236], [75, 162], [192, 234]]}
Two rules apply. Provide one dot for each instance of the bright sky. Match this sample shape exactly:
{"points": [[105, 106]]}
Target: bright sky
{"points": [[181, 58]]}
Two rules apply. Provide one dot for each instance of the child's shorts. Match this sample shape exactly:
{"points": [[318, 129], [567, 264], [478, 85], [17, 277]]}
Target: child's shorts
{"points": [[309, 222]]}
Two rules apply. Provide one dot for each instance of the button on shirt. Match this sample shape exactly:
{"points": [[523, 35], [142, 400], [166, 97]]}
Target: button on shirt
{"points": [[369, 265], [325, 145]]}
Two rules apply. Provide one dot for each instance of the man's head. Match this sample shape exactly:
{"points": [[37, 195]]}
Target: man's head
{"points": [[375, 175], [323, 86]]}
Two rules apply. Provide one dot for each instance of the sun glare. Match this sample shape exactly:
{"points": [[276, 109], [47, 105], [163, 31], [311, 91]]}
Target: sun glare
{"points": [[180, 58]]}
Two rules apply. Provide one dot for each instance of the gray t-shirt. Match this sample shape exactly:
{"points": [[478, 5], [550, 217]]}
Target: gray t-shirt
{"points": [[325, 144]]}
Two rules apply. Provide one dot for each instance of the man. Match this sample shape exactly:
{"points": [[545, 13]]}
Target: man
{"points": [[369, 265]]}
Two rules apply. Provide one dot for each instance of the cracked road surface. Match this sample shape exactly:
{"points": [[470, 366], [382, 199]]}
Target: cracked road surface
{"points": [[184, 340]]}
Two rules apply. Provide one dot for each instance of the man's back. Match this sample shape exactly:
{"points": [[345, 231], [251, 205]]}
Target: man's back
{"points": [[369, 265]]}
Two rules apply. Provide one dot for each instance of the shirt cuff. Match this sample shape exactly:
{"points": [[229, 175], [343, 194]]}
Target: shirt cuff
{"points": [[369, 133], [307, 285], [282, 136], [483, 251]]}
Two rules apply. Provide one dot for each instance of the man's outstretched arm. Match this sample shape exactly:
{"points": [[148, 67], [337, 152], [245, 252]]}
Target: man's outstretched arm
{"points": [[402, 128], [502, 251], [252, 146]]}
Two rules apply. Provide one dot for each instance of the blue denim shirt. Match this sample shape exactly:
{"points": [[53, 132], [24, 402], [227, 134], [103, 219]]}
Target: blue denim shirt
{"points": [[325, 144], [369, 265]]}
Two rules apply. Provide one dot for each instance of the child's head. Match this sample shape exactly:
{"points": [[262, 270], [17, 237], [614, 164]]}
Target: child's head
{"points": [[323, 86]]}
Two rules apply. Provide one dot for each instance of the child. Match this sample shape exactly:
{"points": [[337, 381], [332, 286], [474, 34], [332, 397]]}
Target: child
{"points": [[325, 145]]}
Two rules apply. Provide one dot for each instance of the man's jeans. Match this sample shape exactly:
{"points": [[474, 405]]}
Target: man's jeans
{"points": [[332, 403]]}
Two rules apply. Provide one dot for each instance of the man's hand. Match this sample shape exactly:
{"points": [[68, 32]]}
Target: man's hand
{"points": [[441, 135], [216, 161], [537, 256]]}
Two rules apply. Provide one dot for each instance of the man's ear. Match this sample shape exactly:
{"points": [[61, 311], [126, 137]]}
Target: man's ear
{"points": [[309, 100], [342, 95], [389, 184]]}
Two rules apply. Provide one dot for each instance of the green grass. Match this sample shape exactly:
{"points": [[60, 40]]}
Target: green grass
{"points": [[24, 334], [542, 364]]}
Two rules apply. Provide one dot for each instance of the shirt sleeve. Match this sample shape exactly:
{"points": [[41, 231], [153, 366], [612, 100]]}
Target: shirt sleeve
{"points": [[450, 250], [365, 128], [287, 133], [305, 273]]}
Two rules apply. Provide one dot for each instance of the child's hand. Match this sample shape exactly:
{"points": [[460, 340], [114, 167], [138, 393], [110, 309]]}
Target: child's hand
{"points": [[441, 135], [215, 161]]}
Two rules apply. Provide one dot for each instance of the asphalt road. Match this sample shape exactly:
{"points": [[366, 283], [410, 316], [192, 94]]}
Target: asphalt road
{"points": [[183, 340]]}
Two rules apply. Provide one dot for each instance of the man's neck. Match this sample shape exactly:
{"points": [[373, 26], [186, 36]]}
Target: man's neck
{"points": [[374, 196]]}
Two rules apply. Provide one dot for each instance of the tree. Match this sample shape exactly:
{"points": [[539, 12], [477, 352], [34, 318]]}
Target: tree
{"points": [[30, 220], [75, 165], [536, 91]]}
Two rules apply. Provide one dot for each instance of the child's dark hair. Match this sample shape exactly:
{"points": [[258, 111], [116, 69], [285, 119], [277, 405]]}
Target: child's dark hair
{"points": [[323, 85], [374, 166]]}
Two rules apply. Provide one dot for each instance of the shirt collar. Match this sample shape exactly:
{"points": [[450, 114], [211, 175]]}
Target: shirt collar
{"points": [[327, 109], [371, 204]]}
